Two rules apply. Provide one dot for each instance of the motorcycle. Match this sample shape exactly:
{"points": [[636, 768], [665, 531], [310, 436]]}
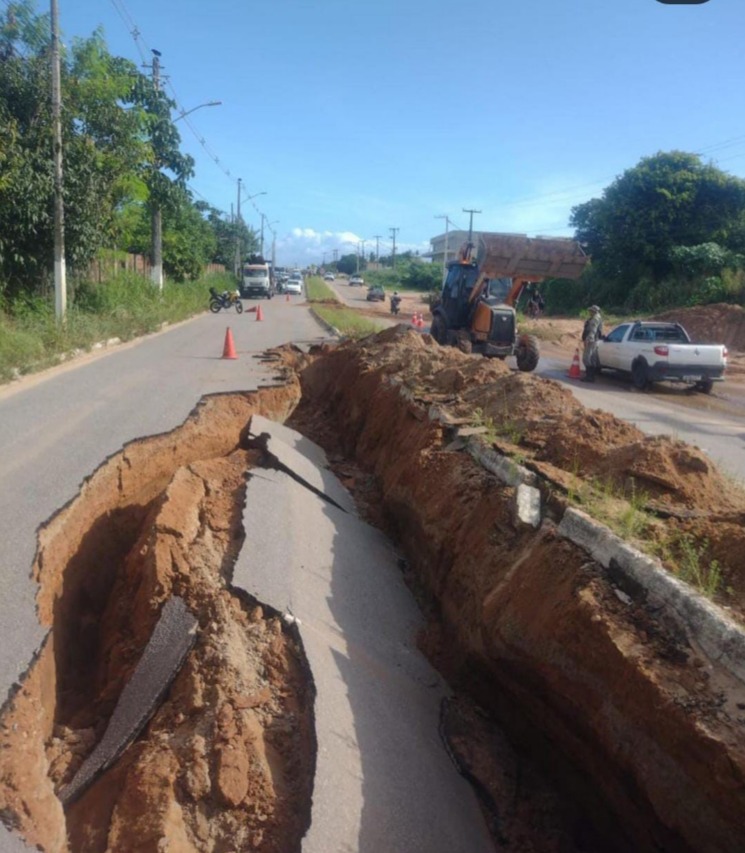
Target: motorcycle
{"points": [[395, 304], [225, 300]]}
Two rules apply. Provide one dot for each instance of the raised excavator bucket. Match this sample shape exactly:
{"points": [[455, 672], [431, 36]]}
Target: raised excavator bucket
{"points": [[530, 258]]}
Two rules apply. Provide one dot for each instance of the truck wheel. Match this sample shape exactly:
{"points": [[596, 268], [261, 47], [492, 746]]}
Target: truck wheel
{"points": [[640, 374], [527, 353], [465, 345], [438, 329], [704, 386]]}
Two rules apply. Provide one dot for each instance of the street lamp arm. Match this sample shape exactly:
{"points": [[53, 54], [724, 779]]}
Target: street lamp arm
{"points": [[199, 107]]}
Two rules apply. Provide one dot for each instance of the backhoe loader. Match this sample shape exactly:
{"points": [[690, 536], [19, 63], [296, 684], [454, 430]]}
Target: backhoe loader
{"points": [[476, 310]]}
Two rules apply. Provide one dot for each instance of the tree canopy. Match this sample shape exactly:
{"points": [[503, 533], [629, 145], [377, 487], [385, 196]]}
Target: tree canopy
{"points": [[648, 230]]}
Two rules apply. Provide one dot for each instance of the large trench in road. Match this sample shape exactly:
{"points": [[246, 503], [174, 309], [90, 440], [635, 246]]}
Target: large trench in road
{"points": [[579, 724]]}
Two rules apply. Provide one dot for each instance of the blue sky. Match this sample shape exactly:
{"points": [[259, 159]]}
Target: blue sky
{"points": [[356, 117]]}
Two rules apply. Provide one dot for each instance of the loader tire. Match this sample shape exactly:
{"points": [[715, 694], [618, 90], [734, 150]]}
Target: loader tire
{"points": [[438, 330], [527, 353]]}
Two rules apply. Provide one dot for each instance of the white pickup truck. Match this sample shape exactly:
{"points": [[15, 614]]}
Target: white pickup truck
{"points": [[656, 352]]}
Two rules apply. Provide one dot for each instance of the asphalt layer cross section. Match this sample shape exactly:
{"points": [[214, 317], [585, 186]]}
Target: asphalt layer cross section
{"points": [[170, 642], [384, 780], [285, 457]]}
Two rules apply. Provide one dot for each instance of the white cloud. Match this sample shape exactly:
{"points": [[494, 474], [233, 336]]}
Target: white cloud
{"points": [[303, 246]]}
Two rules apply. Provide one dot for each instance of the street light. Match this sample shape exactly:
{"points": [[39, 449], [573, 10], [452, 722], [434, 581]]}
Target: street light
{"points": [[199, 107]]}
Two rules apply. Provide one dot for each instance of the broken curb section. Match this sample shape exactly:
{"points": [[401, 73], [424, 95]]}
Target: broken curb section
{"points": [[591, 697]]}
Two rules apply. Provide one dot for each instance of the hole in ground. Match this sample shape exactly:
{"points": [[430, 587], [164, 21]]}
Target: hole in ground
{"points": [[227, 761]]}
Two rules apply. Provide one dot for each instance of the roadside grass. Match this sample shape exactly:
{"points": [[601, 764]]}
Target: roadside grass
{"points": [[318, 291], [124, 307], [348, 321]]}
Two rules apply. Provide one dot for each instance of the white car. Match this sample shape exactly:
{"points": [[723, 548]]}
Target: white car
{"points": [[329, 277], [356, 281], [294, 285]]}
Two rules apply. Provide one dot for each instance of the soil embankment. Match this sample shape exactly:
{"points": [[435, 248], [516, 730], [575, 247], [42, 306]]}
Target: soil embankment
{"points": [[617, 705], [624, 703]]}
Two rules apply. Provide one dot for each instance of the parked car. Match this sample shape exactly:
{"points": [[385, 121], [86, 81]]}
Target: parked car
{"points": [[376, 294], [294, 284], [356, 281], [661, 352], [329, 277]]}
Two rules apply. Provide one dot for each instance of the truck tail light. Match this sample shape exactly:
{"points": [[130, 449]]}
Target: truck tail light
{"points": [[662, 350]]}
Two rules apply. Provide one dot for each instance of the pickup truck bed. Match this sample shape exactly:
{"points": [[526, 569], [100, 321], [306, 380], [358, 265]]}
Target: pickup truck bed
{"points": [[656, 352]]}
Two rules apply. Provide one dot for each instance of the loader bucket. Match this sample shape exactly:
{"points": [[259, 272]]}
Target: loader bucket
{"points": [[531, 258]]}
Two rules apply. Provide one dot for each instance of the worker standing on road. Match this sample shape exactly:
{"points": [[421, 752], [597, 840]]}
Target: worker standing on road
{"points": [[591, 334]]}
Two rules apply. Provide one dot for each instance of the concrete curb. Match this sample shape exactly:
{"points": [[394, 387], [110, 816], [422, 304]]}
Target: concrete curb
{"points": [[644, 579], [327, 326]]}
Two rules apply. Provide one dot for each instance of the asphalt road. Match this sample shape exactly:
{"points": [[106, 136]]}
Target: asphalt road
{"points": [[57, 428], [712, 423]]}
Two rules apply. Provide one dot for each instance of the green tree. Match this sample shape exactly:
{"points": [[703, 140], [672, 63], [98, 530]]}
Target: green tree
{"points": [[349, 264], [667, 201]]}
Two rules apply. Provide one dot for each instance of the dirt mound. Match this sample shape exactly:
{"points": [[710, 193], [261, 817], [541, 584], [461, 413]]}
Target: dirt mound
{"points": [[711, 324], [589, 679]]}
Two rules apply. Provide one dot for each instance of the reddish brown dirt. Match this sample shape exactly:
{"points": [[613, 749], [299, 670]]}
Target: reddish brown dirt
{"points": [[711, 324], [527, 623], [227, 761]]}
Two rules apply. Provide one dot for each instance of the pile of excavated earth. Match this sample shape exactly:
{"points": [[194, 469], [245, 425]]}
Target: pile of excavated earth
{"points": [[629, 701]]}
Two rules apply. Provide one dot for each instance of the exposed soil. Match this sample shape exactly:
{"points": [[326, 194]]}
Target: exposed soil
{"points": [[618, 706], [226, 763], [623, 736]]}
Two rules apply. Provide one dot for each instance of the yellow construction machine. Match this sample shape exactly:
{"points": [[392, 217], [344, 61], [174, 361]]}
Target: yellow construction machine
{"points": [[476, 310]]}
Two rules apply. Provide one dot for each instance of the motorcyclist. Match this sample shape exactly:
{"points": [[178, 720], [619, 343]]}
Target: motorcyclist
{"points": [[395, 302]]}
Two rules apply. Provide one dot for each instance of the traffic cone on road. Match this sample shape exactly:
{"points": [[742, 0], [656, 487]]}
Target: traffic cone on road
{"points": [[420, 320], [259, 313], [228, 350], [413, 319], [574, 371], [287, 297]]}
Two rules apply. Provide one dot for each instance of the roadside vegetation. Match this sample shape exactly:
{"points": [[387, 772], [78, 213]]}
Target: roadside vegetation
{"points": [[318, 291], [124, 308], [347, 321], [681, 241]]}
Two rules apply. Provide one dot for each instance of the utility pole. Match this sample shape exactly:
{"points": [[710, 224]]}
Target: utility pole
{"points": [[262, 235], [377, 247], [156, 273], [274, 252], [238, 234], [336, 255], [470, 223], [358, 258], [447, 244], [60, 278], [394, 231]]}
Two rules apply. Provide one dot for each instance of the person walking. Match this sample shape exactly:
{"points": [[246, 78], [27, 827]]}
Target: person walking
{"points": [[591, 334]]}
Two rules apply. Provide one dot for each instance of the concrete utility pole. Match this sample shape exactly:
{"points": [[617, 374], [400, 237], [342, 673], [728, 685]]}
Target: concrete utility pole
{"points": [[262, 234], [238, 234], [156, 274], [60, 277], [470, 223], [336, 255], [447, 244], [378, 238], [394, 231]]}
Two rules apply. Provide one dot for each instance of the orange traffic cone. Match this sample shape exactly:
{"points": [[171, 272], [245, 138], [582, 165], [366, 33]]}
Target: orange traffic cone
{"points": [[413, 319], [259, 314], [228, 351], [287, 298], [574, 371], [420, 320]]}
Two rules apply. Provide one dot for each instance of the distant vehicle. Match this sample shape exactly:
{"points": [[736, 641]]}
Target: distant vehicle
{"points": [[356, 281], [376, 294], [225, 300], [329, 277], [661, 352], [256, 282], [294, 284]]}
